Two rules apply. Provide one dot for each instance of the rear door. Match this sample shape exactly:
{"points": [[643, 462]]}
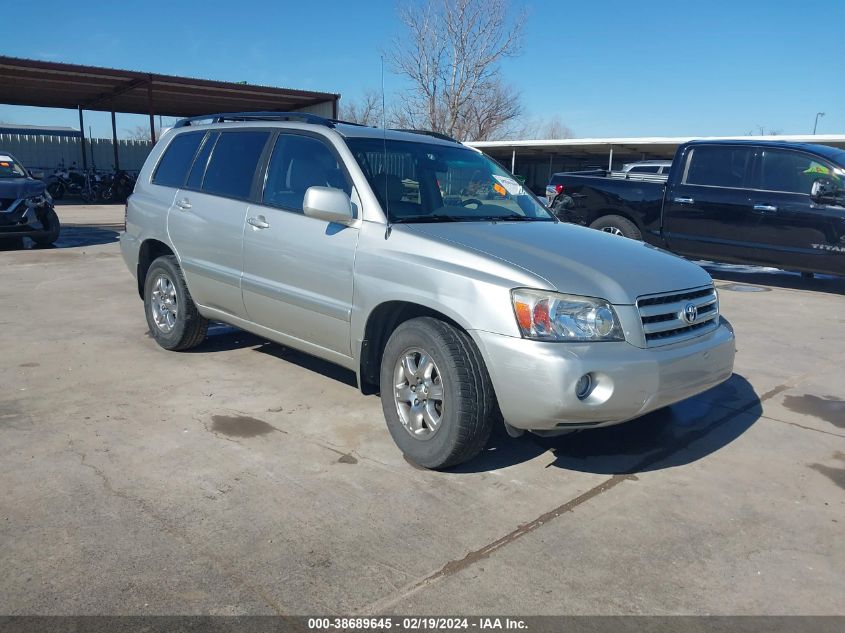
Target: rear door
{"points": [[707, 210], [206, 222], [793, 231]]}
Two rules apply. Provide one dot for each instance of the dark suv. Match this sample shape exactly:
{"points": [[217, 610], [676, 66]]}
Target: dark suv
{"points": [[26, 209]]}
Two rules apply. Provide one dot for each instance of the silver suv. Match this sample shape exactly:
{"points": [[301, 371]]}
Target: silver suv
{"points": [[423, 266]]}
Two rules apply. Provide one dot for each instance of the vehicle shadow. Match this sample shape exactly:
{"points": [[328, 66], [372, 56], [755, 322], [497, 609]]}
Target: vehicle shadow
{"points": [[677, 435], [224, 338], [673, 436], [71, 236], [771, 277]]}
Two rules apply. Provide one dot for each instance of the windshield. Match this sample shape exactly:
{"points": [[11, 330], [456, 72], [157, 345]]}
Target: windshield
{"points": [[10, 168], [424, 182]]}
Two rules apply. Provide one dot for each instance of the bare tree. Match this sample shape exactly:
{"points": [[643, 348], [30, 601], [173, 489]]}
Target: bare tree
{"points": [[366, 111], [551, 128], [451, 55], [141, 133], [492, 114]]}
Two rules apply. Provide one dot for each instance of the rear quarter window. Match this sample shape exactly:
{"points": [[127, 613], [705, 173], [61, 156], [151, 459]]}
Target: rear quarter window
{"points": [[177, 159]]}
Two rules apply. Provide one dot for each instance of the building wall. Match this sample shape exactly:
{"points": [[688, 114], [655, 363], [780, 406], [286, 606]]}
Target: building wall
{"points": [[48, 153]]}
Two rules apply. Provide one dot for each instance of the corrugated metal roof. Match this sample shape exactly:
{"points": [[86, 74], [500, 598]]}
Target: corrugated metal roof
{"points": [[636, 142], [50, 84]]}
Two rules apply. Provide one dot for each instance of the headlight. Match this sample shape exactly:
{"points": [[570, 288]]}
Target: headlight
{"points": [[549, 316], [36, 201]]}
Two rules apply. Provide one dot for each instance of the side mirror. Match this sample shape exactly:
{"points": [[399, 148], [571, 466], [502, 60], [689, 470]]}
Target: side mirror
{"points": [[822, 190], [329, 204]]}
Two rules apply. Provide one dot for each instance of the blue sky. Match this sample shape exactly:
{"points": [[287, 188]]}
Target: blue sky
{"points": [[614, 68]]}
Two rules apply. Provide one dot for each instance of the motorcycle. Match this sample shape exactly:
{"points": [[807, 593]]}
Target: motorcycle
{"points": [[71, 182], [118, 187]]}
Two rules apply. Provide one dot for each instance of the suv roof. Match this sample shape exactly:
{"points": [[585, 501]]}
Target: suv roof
{"points": [[344, 128]]}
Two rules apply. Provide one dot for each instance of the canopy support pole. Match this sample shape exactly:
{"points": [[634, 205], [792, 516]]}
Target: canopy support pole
{"points": [[152, 111], [82, 140], [114, 141]]}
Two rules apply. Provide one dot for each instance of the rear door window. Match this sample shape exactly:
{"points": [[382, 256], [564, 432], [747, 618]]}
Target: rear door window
{"points": [[791, 172], [231, 168], [719, 166], [645, 169], [177, 159]]}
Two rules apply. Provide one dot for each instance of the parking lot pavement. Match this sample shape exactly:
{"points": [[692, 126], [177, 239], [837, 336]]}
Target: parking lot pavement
{"points": [[246, 478]]}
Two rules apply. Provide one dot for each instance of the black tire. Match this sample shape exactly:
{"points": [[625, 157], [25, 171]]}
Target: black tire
{"points": [[617, 225], [469, 405], [56, 190], [89, 195], [189, 327], [51, 225]]}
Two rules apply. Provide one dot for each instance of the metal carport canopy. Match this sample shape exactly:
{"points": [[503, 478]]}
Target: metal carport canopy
{"points": [[31, 82], [54, 85], [652, 144]]}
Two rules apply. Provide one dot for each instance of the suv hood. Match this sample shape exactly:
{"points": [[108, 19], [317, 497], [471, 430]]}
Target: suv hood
{"points": [[575, 259], [14, 188]]}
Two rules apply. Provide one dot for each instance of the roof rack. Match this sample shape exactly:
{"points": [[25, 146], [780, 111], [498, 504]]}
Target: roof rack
{"points": [[441, 136], [349, 123], [302, 117]]}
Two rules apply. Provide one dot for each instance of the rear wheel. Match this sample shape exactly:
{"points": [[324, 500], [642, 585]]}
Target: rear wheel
{"points": [[173, 318], [436, 394], [617, 225], [50, 224]]}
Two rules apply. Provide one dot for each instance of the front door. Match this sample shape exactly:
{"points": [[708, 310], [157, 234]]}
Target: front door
{"points": [[297, 277], [707, 212]]}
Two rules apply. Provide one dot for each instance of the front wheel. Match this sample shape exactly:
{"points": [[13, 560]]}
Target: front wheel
{"points": [[436, 395], [617, 225], [51, 226], [172, 316]]}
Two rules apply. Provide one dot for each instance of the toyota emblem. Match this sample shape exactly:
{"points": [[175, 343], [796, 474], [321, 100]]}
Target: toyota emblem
{"points": [[690, 313]]}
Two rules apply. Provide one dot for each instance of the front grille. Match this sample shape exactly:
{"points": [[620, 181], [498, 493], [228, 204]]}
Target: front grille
{"points": [[663, 319]]}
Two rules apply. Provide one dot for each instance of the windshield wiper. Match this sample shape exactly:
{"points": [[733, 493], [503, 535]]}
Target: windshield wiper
{"points": [[413, 219], [515, 217]]}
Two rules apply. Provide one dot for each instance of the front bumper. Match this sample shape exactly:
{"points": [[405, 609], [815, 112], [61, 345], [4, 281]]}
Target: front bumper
{"points": [[535, 381], [16, 220]]}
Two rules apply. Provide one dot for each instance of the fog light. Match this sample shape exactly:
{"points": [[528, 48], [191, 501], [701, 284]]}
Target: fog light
{"points": [[584, 386]]}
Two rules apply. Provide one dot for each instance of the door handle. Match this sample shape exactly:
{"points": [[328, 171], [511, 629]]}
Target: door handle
{"points": [[184, 204], [684, 200], [259, 222], [765, 208]]}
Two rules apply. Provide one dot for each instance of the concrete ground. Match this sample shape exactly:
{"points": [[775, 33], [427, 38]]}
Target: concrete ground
{"points": [[247, 478]]}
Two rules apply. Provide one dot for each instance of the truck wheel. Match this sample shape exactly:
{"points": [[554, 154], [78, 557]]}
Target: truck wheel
{"points": [[172, 316], [51, 225], [617, 225], [436, 394]]}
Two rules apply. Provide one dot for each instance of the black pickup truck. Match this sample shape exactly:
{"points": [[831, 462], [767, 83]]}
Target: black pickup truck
{"points": [[767, 203]]}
